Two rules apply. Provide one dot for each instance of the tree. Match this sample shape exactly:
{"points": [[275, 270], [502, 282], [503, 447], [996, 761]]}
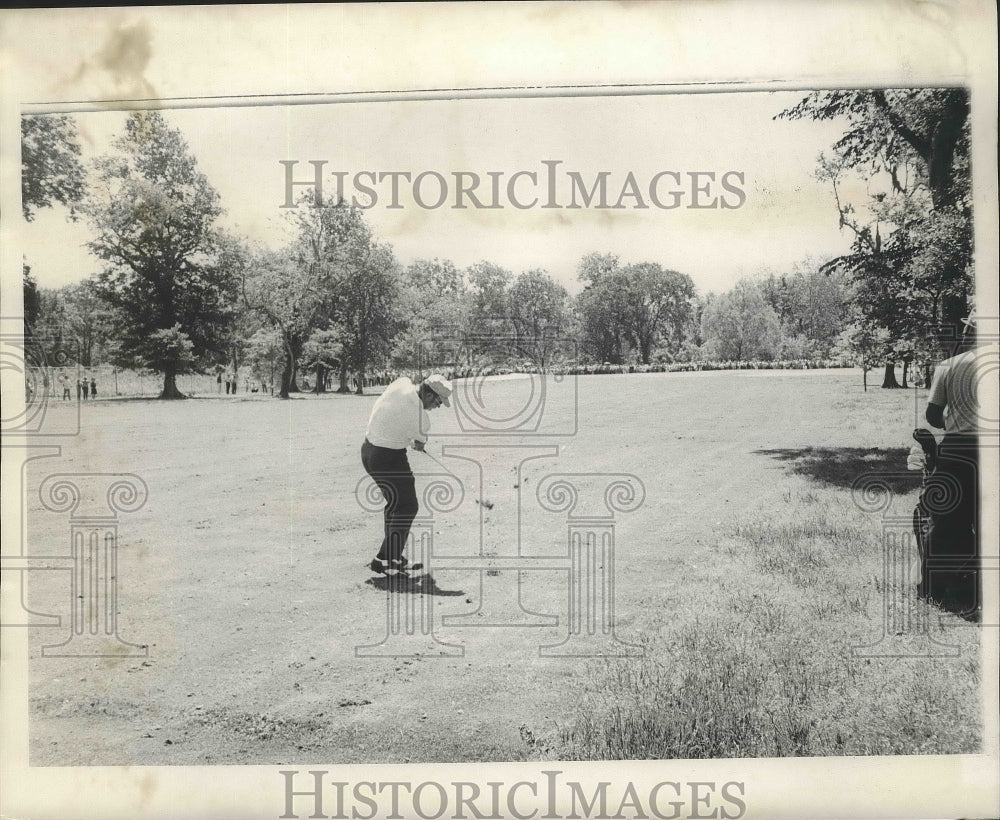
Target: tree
{"points": [[319, 283], [739, 325], [641, 306], [322, 352], [488, 287], [265, 353], [602, 308], [50, 164], [50, 173], [87, 318], [367, 307], [657, 305], [32, 300], [153, 214], [434, 304], [865, 343], [235, 258], [538, 308], [595, 266], [812, 306], [911, 257], [291, 297]]}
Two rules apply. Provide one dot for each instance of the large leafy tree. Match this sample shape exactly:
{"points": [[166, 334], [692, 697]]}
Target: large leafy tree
{"points": [[911, 257], [76, 312], [153, 214], [51, 173], [812, 307], [313, 284], [602, 308], [434, 304], [740, 325], [539, 313], [658, 306], [642, 306], [487, 319], [367, 307], [50, 164], [292, 297]]}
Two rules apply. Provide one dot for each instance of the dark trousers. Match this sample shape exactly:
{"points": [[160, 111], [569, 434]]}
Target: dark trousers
{"points": [[950, 572], [391, 472]]}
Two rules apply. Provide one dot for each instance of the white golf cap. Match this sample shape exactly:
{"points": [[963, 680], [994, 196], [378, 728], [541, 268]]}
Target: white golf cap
{"points": [[440, 385]]}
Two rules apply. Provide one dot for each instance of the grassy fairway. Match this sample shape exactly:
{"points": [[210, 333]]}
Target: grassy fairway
{"points": [[746, 577]]}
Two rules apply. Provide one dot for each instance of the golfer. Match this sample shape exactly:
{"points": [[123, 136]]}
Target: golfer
{"points": [[398, 420], [950, 573]]}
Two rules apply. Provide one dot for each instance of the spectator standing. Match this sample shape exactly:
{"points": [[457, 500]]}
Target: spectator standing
{"points": [[951, 572]]}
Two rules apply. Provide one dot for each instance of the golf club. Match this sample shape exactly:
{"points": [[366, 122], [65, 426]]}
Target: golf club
{"points": [[484, 502]]}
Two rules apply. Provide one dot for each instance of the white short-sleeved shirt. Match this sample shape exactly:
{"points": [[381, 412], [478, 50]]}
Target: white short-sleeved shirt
{"points": [[954, 388], [398, 417]]}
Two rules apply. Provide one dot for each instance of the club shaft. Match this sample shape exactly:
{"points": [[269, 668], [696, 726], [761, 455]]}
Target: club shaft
{"points": [[432, 458]]}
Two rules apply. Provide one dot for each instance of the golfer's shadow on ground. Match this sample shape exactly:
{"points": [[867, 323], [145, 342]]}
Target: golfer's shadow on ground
{"points": [[412, 584], [841, 466]]}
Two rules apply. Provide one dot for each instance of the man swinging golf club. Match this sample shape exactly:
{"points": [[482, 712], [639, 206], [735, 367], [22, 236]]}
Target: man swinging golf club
{"points": [[398, 420]]}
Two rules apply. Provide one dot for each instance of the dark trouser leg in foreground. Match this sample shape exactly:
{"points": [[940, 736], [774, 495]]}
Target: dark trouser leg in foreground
{"points": [[951, 567], [391, 471]]}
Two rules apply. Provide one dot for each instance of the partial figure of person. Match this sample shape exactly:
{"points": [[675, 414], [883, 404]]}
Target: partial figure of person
{"points": [[93, 388], [950, 566], [399, 420]]}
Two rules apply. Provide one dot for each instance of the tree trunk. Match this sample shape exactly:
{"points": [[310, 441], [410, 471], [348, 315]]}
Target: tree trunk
{"points": [[294, 351], [361, 383], [287, 374], [320, 378], [170, 390], [906, 370], [889, 379], [864, 377], [344, 388]]}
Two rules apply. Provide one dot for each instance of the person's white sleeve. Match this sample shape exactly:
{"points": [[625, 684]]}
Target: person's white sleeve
{"points": [[938, 394], [423, 427]]}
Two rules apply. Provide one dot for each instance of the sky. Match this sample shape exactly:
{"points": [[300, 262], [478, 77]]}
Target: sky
{"points": [[782, 214]]}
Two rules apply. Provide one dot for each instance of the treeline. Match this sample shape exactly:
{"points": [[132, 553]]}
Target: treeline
{"points": [[291, 314], [177, 294]]}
